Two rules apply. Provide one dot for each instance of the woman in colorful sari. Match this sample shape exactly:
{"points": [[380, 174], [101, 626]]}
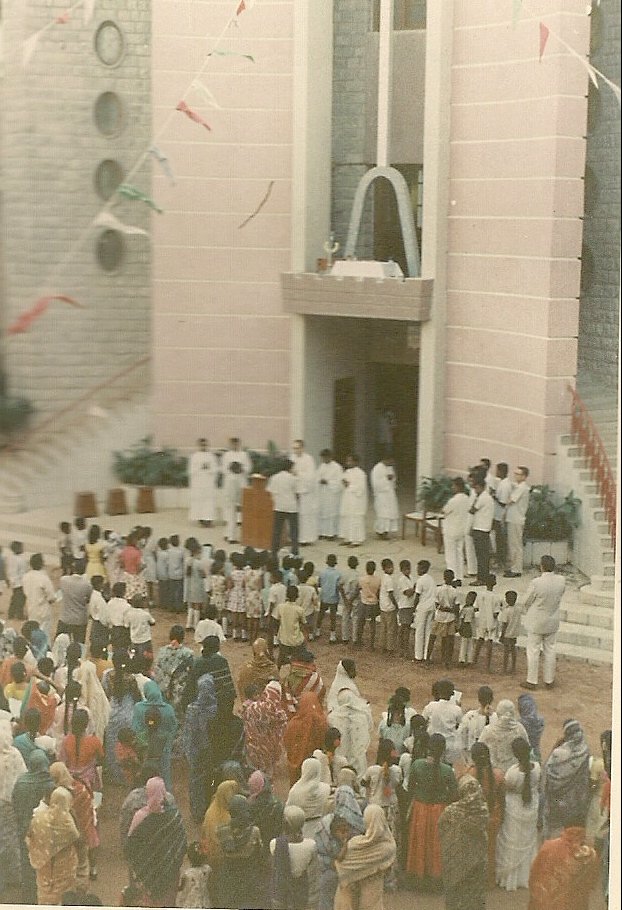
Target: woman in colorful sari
{"points": [[517, 841], [51, 842], [198, 745], [463, 835], [30, 788], [265, 720], [240, 879], [566, 787], [492, 782], [336, 829], [131, 564], [12, 766], [362, 863], [564, 872], [122, 691], [171, 668], [260, 670], [167, 726], [84, 817], [304, 733], [217, 815], [156, 846], [83, 753]]}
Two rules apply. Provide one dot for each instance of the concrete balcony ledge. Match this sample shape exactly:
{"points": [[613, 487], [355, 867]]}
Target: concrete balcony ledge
{"points": [[316, 294]]}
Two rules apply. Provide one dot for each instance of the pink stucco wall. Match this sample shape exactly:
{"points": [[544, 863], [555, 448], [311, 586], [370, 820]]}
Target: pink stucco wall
{"points": [[516, 191], [220, 337]]}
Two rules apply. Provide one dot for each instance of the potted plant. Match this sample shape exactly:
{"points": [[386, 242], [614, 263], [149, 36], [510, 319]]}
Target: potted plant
{"points": [[434, 492], [164, 470], [269, 462], [549, 525]]}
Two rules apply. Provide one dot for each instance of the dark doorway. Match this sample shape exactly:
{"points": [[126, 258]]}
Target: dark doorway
{"points": [[396, 392], [344, 421]]}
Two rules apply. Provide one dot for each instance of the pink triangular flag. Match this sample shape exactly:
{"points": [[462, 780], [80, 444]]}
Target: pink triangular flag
{"points": [[183, 107], [63, 19], [243, 6], [544, 37], [28, 48]]}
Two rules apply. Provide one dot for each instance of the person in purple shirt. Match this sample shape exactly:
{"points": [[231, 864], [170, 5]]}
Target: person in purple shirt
{"points": [[329, 595]]}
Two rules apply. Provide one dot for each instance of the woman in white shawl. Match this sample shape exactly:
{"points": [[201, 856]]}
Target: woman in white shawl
{"points": [[501, 733], [93, 697], [353, 718], [310, 795], [344, 679], [362, 863]]}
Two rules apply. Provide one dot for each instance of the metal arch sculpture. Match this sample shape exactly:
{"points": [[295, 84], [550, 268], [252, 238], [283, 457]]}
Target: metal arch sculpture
{"points": [[405, 213]]}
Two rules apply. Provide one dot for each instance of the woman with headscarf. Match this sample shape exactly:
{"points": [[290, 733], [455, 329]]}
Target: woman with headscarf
{"points": [[395, 725], [310, 795], [564, 872], [463, 835], [156, 846], [266, 808], [51, 842], [566, 790], [352, 717], [382, 781], [122, 691], [217, 815], [362, 863], [260, 670], [492, 782], [517, 841], [59, 655], [12, 766], [137, 799], [265, 720], [84, 817], [93, 695], [500, 733], [292, 854], [197, 744], [30, 788], [531, 721], [167, 726], [345, 675], [304, 733], [331, 762], [432, 786], [240, 878], [336, 828]]}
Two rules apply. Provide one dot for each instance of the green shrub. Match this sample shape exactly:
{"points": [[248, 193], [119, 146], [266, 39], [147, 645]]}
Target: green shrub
{"points": [[434, 492], [15, 414], [269, 462], [145, 466], [548, 517]]}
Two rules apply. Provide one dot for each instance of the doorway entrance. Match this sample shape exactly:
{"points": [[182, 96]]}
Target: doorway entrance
{"points": [[396, 394], [344, 420]]}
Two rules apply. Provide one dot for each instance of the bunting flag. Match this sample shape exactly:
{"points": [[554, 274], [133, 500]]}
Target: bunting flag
{"points": [[231, 54], [163, 161], [88, 10], [243, 6], [23, 322], [544, 37], [257, 210], [205, 93], [132, 192], [183, 107], [63, 19], [108, 220], [28, 48]]}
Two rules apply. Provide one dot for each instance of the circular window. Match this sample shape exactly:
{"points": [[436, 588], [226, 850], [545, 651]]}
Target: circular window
{"points": [[110, 250], [108, 114], [108, 176], [109, 43]]}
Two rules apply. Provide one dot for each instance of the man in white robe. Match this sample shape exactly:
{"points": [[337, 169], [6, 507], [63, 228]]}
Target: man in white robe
{"points": [[306, 488], [353, 503], [385, 498], [236, 467], [203, 473], [329, 476]]}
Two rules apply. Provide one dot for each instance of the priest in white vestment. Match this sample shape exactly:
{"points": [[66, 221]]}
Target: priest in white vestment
{"points": [[386, 507], [306, 488], [329, 476], [353, 503], [203, 473], [236, 468]]}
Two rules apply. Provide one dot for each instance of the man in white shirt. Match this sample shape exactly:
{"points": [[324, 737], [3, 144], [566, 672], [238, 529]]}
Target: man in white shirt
{"points": [[236, 467], [353, 503], [383, 484], [405, 596], [541, 622], [329, 476], [40, 595], [203, 472], [15, 567], [501, 497], [304, 471], [515, 516], [388, 609], [455, 521], [284, 489], [482, 510], [425, 604]]}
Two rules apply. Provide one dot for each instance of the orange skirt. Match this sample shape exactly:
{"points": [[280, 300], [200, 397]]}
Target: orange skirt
{"points": [[424, 850]]}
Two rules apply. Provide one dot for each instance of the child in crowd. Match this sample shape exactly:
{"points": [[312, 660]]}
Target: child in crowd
{"points": [[369, 589], [309, 601], [329, 596], [140, 620], [388, 608], [466, 629], [291, 619], [128, 754], [118, 608], [195, 583], [444, 625], [405, 594], [488, 609], [149, 547], [218, 592], [36, 638], [208, 625], [162, 574], [254, 583], [175, 574], [193, 884], [425, 604], [349, 590], [98, 611], [475, 720], [236, 597], [312, 577], [444, 716], [382, 781], [277, 596], [65, 553], [16, 689], [78, 536], [510, 623]]}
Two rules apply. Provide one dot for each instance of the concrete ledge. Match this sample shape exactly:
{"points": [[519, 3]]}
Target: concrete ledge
{"points": [[310, 293]]}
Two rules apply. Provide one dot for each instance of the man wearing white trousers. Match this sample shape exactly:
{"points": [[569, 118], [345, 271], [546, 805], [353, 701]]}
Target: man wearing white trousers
{"points": [[541, 622], [515, 515], [425, 604], [455, 519]]}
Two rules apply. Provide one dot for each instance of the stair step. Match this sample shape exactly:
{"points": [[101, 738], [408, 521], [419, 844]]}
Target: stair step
{"points": [[592, 596], [586, 636], [603, 582], [584, 615], [580, 652]]}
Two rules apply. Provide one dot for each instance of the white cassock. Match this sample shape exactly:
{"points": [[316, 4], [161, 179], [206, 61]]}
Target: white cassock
{"points": [[203, 470], [353, 505], [330, 488], [306, 488], [232, 486], [385, 498]]}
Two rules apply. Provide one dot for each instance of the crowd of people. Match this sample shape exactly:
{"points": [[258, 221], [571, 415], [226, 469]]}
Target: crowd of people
{"points": [[454, 800]]}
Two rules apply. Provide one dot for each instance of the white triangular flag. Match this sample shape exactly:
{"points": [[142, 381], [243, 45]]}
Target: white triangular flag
{"points": [[108, 220], [205, 93], [88, 9], [29, 47]]}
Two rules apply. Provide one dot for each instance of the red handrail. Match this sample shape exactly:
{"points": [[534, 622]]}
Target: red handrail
{"points": [[588, 437]]}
